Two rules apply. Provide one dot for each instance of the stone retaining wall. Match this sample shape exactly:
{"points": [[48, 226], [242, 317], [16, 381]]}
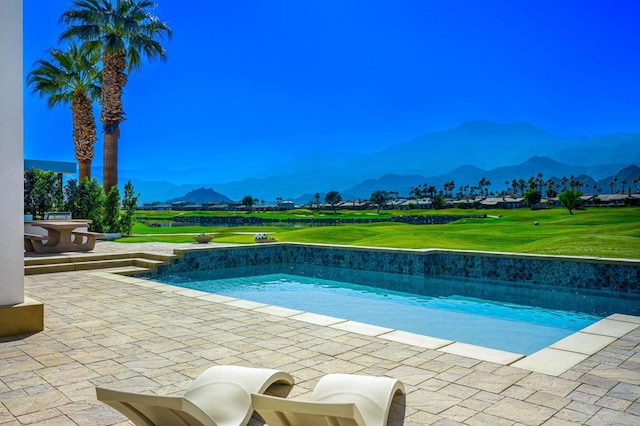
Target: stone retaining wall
{"points": [[319, 221]]}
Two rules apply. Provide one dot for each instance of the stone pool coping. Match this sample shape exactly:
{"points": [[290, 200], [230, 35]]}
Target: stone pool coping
{"points": [[553, 360]]}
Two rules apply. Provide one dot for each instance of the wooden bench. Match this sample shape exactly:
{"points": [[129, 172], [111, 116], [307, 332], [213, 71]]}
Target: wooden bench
{"points": [[28, 238], [78, 237]]}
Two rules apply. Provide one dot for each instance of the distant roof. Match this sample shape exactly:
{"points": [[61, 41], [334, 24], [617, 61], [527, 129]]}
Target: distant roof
{"points": [[51, 166]]}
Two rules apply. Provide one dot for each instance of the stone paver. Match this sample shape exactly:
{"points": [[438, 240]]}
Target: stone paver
{"points": [[119, 332]]}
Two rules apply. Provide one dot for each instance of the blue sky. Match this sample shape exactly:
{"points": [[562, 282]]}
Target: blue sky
{"points": [[256, 82]]}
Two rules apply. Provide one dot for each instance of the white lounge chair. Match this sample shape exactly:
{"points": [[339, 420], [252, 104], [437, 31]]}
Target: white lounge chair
{"points": [[220, 396], [337, 400]]}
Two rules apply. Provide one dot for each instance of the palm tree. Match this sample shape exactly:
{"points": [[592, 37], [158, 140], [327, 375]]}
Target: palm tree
{"points": [[379, 198], [449, 186], [72, 76], [317, 196], [123, 31], [333, 198], [248, 201]]}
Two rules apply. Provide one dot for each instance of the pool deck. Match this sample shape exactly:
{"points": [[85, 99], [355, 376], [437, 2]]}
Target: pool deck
{"points": [[121, 332]]}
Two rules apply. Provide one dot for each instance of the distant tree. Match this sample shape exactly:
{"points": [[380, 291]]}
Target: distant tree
{"points": [[439, 201], [248, 201], [449, 186], [333, 198], [532, 197], [379, 198], [522, 185], [484, 185], [431, 190], [129, 204], [416, 192], [317, 196], [393, 195], [540, 182], [570, 198]]}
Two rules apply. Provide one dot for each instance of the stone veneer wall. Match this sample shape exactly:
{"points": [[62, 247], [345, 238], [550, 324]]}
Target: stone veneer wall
{"points": [[621, 276]]}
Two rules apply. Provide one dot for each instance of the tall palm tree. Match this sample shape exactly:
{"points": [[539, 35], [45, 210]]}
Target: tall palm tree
{"points": [[123, 31], [72, 76]]}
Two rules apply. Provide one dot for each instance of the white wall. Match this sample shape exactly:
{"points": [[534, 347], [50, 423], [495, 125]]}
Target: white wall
{"points": [[11, 154]]}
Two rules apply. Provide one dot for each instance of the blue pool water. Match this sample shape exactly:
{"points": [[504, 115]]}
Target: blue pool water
{"points": [[510, 317]]}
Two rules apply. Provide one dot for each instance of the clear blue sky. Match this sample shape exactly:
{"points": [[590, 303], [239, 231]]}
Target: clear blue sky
{"points": [[263, 81]]}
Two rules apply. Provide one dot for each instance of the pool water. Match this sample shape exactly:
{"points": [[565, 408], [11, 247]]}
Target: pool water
{"points": [[505, 316]]}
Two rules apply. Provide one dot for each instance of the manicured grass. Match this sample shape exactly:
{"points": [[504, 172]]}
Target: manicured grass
{"points": [[598, 232]]}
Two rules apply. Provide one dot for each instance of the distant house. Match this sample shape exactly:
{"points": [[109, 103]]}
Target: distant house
{"points": [[419, 203], [214, 206], [353, 205], [502, 203], [192, 207], [466, 204], [612, 200], [179, 205], [286, 205], [396, 203], [150, 205]]}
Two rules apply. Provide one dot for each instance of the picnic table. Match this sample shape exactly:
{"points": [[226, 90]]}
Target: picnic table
{"points": [[62, 235]]}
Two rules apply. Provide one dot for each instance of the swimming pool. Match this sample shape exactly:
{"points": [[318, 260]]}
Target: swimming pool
{"points": [[509, 316]]}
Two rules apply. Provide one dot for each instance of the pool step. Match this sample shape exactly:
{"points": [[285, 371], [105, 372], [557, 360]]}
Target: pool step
{"points": [[121, 263]]}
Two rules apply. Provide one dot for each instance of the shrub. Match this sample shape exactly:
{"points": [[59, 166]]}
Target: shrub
{"points": [[86, 201], [42, 192], [129, 204], [111, 218]]}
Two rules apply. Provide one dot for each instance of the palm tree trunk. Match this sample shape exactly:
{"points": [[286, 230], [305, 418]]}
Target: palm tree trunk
{"points": [[85, 169], [84, 132], [113, 81], [110, 161]]}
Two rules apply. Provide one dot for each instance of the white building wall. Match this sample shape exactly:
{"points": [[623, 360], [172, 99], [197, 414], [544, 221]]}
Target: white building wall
{"points": [[11, 154]]}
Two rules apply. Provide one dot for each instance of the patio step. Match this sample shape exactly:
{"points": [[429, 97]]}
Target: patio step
{"points": [[121, 263]]}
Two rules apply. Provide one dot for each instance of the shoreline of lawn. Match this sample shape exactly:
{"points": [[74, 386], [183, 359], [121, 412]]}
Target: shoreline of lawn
{"points": [[594, 232]]}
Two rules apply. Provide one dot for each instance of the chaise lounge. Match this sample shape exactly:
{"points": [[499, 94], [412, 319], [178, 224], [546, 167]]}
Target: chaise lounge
{"points": [[337, 400], [220, 396]]}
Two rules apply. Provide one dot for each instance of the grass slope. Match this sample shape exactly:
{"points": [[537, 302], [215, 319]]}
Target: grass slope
{"points": [[598, 232]]}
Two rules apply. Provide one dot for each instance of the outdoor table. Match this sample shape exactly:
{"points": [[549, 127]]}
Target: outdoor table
{"points": [[61, 238]]}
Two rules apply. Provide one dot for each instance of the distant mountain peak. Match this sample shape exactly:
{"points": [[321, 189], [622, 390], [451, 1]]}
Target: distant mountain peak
{"points": [[202, 195], [542, 160], [467, 168], [479, 127]]}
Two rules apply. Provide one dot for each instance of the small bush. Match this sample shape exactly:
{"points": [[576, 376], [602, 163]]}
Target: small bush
{"points": [[86, 201]]}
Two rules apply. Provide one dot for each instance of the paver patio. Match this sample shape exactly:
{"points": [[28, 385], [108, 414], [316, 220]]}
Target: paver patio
{"points": [[111, 332]]}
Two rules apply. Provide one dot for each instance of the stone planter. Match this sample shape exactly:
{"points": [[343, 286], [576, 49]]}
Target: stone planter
{"points": [[111, 236], [202, 239]]}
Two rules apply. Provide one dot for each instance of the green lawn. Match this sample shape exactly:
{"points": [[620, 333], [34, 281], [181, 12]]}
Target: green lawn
{"points": [[600, 232]]}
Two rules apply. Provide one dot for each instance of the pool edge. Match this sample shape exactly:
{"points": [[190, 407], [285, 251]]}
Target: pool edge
{"points": [[553, 360]]}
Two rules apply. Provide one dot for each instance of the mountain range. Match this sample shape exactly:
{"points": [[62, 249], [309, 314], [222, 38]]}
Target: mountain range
{"points": [[464, 154]]}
